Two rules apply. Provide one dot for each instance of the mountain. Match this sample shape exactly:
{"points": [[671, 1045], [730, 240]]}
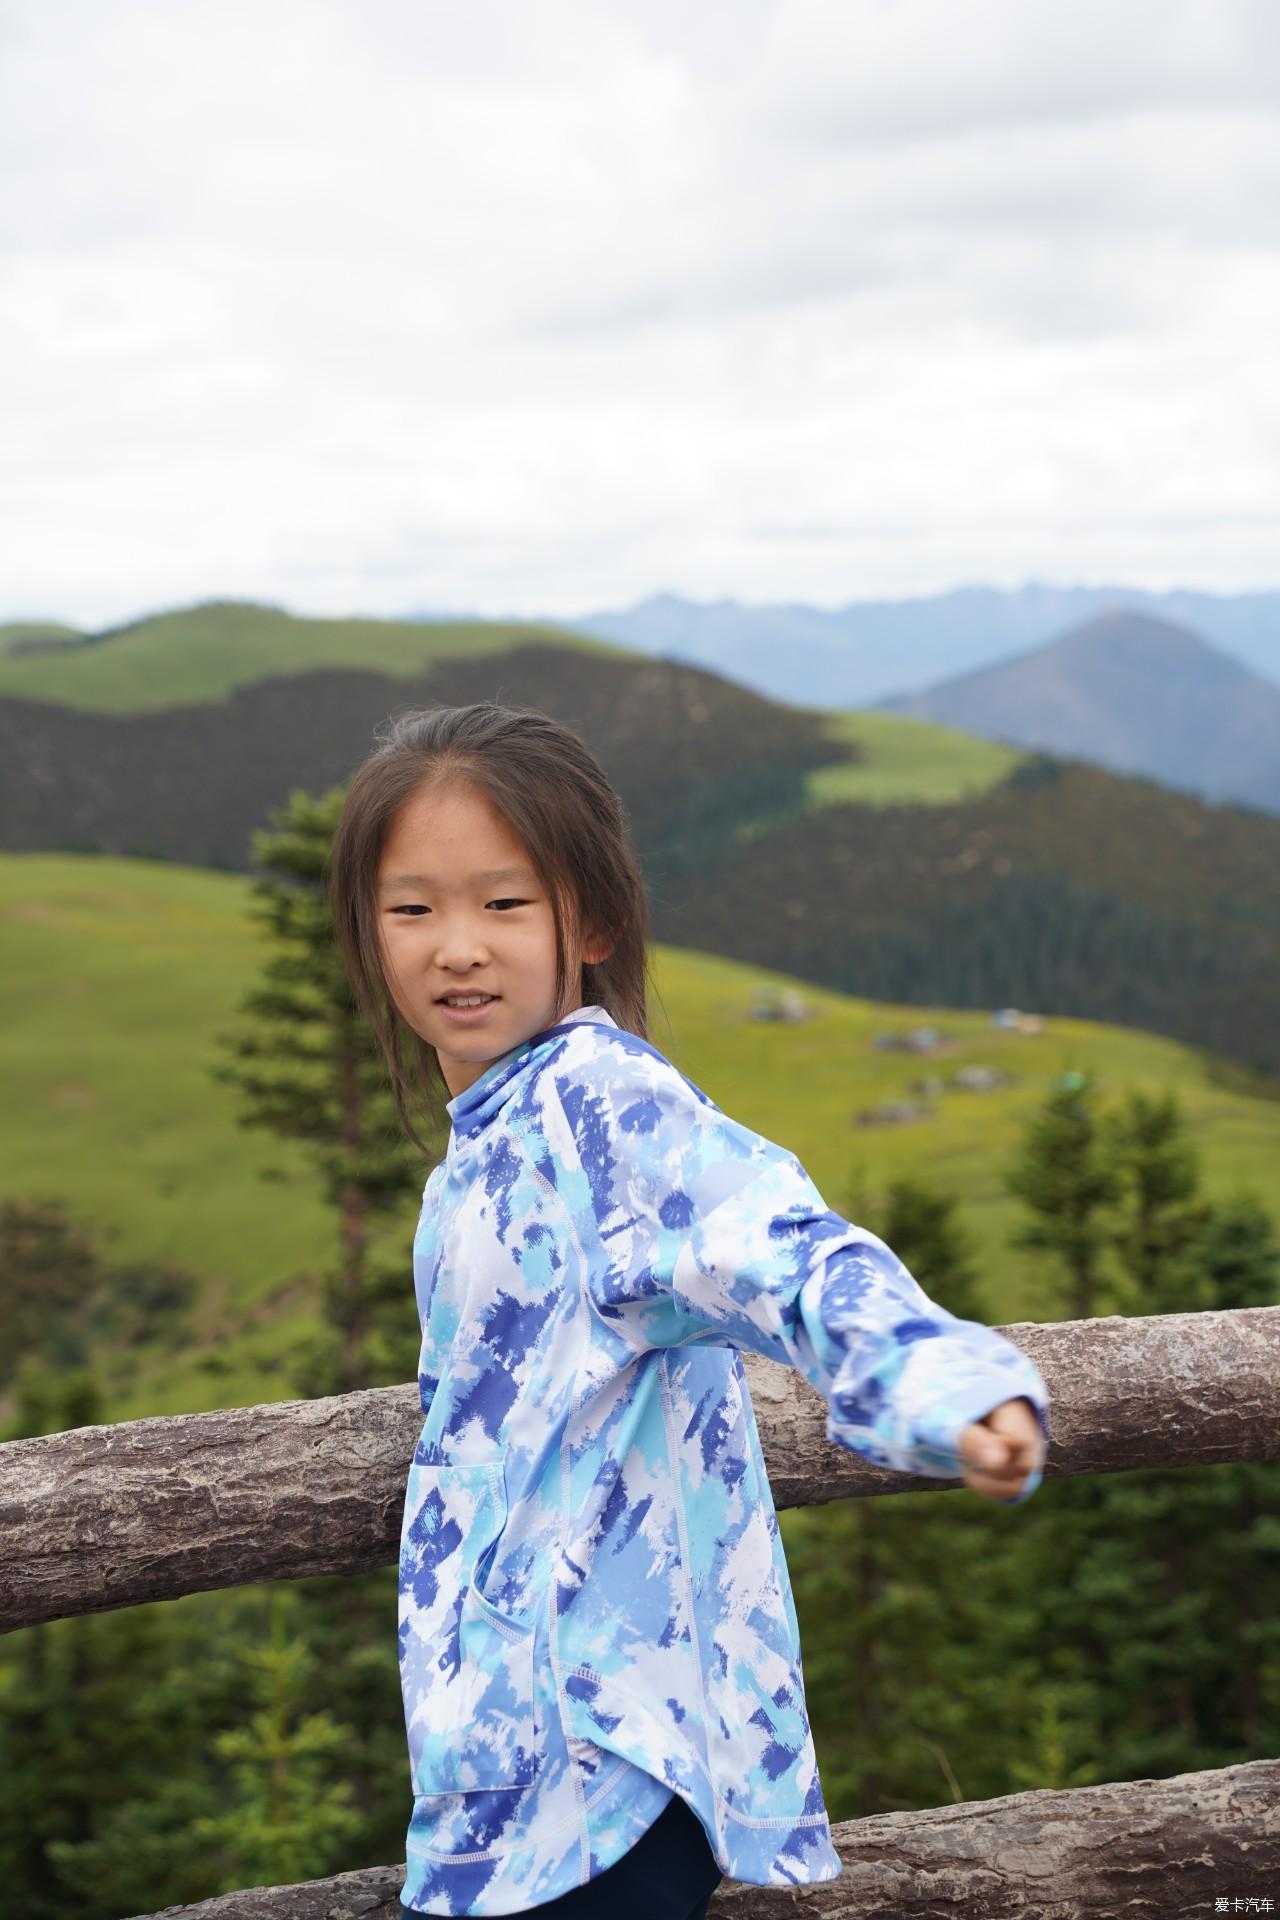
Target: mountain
{"points": [[874, 854], [202, 654], [1131, 692], [176, 737], [857, 654]]}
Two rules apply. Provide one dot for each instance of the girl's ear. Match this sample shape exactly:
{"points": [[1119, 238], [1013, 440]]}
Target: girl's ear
{"points": [[598, 948], [595, 946]]}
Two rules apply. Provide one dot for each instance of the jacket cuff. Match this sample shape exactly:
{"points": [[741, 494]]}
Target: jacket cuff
{"points": [[910, 1414]]}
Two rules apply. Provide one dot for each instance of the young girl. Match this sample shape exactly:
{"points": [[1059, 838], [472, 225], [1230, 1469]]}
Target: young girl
{"points": [[599, 1651]]}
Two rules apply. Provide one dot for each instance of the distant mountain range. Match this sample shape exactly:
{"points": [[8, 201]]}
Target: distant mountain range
{"points": [[856, 655], [1130, 692], [1092, 673]]}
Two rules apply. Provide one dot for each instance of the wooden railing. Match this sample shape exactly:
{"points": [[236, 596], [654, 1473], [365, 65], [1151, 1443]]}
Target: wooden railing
{"points": [[112, 1516]]}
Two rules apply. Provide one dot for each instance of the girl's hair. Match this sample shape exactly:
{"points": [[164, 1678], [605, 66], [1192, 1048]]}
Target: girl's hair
{"points": [[556, 797]]}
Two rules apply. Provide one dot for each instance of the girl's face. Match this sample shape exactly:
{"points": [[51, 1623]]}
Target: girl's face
{"points": [[461, 911]]}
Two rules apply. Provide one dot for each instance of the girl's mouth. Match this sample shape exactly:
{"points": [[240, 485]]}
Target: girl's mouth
{"points": [[468, 1008]]}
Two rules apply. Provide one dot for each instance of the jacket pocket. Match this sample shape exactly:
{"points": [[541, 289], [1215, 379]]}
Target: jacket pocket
{"points": [[466, 1667]]}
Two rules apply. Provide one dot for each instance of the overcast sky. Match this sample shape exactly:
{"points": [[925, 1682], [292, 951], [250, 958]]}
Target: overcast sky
{"points": [[372, 305]]}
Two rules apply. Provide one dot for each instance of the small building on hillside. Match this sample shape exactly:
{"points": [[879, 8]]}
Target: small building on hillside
{"points": [[780, 1003]]}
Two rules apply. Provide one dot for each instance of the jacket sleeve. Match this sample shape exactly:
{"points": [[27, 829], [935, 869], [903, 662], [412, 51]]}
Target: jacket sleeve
{"points": [[703, 1231]]}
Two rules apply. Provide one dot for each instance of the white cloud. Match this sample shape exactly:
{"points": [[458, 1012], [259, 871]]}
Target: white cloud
{"points": [[506, 307]]}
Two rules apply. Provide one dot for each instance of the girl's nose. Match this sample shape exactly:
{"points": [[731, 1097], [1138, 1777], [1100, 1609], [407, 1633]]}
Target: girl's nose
{"points": [[460, 947]]}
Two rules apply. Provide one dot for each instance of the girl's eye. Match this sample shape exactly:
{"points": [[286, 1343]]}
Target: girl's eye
{"points": [[492, 903]]}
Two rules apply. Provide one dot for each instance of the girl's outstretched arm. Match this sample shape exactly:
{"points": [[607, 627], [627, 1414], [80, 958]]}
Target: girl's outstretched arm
{"points": [[703, 1231], [902, 1376]]}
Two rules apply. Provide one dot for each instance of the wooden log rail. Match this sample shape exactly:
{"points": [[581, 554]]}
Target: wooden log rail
{"points": [[1145, 1849], [111, 1516]]}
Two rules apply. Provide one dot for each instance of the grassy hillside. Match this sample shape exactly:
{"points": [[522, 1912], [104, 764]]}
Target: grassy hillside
{"points": [[199, 655], [115, 976], [902, 758], [1063, 887], [866, 853], [36, 636], [202, 653], [695, 756]]}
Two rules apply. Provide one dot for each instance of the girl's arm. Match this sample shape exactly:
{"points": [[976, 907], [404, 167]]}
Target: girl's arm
{"points": [[703, 1231], [902, 1376]]}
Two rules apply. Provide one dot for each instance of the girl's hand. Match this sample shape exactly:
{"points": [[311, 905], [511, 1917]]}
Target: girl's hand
{"points": [[1004, 1451]]}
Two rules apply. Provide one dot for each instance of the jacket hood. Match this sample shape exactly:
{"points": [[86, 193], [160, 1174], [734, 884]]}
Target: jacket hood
{"points": [[472, 1110]]}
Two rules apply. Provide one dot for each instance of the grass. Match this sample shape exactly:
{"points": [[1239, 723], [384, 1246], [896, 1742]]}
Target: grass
{"points": [[202, 653], [908, 759], [199, 654], [116, 975]]}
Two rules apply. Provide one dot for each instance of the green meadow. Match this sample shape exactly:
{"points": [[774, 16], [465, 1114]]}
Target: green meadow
{"points": [[203, 653], [117, 975], [905, 758]]}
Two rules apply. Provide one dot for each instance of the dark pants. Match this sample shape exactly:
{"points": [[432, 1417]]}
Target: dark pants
{"points": [[669, 1874]]}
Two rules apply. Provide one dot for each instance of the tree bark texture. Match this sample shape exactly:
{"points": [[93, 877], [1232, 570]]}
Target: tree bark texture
{"points": [[111, 1516]]}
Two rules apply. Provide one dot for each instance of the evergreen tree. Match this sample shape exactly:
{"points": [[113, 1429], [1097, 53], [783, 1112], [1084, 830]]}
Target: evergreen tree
{"points": [[65, 1308], [1066, 1176], [201, 1794], [1121, 1625], [310, 1071], [1240, 1256], [75, 1835], [290, 1819], [913, 1609], [349, 1623], [49, 1779], [1239, 1250], [1162, 1221], [161, 1689], [49, 1401], [49, 1274], [919, 1222], [1159, 1591], [928, 1673]]}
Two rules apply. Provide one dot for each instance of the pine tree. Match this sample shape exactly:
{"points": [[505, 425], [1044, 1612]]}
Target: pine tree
{"points": [[310, 1071], [1239, 1249], [919, 1222], [1162, 1221], [290, 1818], [1066, 1176], [163, 1687], [913, 1609], [62, 1305], [1239, 1253], [49, 1274], [1160, 1590], [316, 1779]]}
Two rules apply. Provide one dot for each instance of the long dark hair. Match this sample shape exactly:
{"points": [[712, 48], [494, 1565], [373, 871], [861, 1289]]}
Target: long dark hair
{"points": [[555, 795]]}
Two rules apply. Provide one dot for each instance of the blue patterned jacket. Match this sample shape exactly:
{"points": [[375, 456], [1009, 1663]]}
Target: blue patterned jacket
{"points": [[594, 1606]]}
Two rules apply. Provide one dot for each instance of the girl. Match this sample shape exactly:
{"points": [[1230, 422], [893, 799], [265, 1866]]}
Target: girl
{"points": [[599, 1652]]}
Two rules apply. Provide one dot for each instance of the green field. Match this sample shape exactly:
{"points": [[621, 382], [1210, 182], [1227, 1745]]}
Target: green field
{"points": [[906, 758], [202, 653], [116, 975]]}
